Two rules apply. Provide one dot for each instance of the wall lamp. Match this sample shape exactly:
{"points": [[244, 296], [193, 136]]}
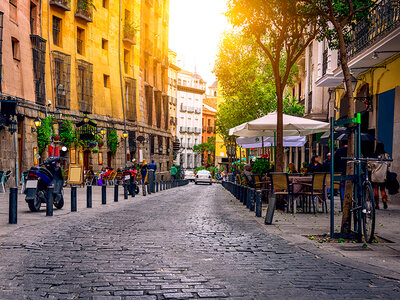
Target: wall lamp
{"points": [[376, 56]]}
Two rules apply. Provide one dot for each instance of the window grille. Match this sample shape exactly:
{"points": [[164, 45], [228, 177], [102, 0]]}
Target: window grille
{"points": [[149, 104], [61, 78], [56, 31], [84, 85], [157, 95], [130, 96], [39, 61], [166, 111]]}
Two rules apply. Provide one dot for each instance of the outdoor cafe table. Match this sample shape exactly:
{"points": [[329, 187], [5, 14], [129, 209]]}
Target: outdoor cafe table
{"points": [[298, 182]]}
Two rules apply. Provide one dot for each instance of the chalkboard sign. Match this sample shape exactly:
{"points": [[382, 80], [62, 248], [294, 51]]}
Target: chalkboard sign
{"points": [[75, 174], [270, 211]]}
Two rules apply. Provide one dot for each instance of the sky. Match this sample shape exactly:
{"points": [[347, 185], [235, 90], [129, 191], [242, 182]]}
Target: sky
{"points": [[195, 29]]}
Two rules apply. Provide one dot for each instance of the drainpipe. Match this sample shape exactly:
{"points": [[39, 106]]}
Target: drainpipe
{"points": [[120, 77]]}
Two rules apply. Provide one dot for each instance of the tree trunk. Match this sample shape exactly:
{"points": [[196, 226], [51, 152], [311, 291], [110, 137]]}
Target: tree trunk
{"points": [[279, 131], [348, 192]]}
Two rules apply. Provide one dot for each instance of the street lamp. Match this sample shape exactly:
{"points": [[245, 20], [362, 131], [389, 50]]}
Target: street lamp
{"points": [[58, 115], [38, 122], [353, 84], [12, 127], [124, 134], [103, 131]]}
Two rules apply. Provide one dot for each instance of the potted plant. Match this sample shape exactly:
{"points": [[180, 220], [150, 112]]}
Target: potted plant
{"points": [[56, 138]]}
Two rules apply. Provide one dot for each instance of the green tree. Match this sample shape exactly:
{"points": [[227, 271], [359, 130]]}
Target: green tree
{"points": [[282, 33], [208, 146], [336, 21]]}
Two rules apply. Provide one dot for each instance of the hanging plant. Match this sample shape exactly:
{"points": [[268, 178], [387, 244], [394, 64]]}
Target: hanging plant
{"points": [[112, 140], [95, 150], [66, 132], [45, 133]]}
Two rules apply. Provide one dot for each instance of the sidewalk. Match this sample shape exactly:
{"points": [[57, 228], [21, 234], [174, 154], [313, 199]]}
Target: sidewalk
{"points": [[381, 258], [28, 218]]}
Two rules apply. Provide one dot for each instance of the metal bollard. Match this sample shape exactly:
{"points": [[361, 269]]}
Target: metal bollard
{"points": [[116, 193], [49, 202], [89, 196], [258, 204], [144, 189], [13, 206], [73, 198], [103, 194], [252, 199], [125, 191]]}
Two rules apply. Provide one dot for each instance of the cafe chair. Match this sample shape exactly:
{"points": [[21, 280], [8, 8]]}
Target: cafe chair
{"points": [[281, 187], [317, 190]]}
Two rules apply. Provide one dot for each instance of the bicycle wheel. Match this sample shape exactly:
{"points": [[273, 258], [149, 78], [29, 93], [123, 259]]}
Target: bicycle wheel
{"points": [[368, 213]]}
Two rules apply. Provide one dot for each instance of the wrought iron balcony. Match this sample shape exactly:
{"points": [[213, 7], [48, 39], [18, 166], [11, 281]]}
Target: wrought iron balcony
{"points": [[84, 10], [381, 21], [63, 4], [129, 33]]}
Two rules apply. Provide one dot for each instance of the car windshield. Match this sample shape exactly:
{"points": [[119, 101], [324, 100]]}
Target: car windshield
{"points": [[203, 172]]}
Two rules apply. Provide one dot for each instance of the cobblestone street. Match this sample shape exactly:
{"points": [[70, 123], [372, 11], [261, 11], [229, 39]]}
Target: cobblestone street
{"points": [[188, 242]]}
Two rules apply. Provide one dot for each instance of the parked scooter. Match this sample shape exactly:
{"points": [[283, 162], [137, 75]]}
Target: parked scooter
{"points": [[40, 179], [130, 180]]}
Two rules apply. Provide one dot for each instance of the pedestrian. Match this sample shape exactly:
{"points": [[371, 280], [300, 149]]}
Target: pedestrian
{"points": [[314, 166], [248, 176], [174, 171], [340, 164], [143, 171], [327, 163], [183, 173], [379, 175]]}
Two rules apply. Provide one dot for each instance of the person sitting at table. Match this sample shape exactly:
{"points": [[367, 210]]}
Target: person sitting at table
{"points": [[248, 176], [291, 169], [315, 166]]}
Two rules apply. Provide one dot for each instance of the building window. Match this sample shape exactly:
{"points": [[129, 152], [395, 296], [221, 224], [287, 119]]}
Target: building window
{"points": [[126, 60], [104, 44], [56, 31], [106, 79], [152, 144], [15, 49], [62, 75], [13, 10], [80, 37], [149, 93], [160, 145], [32, 13], [130, 96], [39, 52], [105, 4], [154, 74], [84, 85]]}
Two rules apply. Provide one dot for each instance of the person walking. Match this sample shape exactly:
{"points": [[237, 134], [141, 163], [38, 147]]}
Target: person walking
{"points": [[174, 171], [379, 174], [327, 163], [143, 171]]}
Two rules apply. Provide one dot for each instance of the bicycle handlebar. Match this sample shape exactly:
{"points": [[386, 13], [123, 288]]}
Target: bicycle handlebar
{"points": [[366, 159]]}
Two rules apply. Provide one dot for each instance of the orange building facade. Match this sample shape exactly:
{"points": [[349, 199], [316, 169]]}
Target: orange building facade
{"points": [[208, 120]]}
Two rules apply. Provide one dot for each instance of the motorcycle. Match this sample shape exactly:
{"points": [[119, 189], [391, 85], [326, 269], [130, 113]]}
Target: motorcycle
{"points": [[130, 182], [39, 180]]}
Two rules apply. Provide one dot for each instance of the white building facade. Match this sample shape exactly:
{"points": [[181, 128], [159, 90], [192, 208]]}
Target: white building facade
{"points": [[191, 92]]}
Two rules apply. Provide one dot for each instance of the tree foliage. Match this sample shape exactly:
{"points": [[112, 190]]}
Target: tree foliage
{"points": [[282, 32], [247, 83]]}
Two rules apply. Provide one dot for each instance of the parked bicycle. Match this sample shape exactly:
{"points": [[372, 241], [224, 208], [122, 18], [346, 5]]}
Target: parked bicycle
{"points": [[363, 201]]}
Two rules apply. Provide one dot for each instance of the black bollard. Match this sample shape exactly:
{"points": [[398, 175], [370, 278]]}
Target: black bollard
{"points": [[116, 193], [13, 206], [49, 202], [144, 189], [148, 189], [89, 196], [258, 204], [156, 186], [125, 191], [103, 194], [252, 198], [73, 198]]}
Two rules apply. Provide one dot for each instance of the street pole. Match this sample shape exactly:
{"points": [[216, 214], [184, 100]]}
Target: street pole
{"points": [[16, 157]]}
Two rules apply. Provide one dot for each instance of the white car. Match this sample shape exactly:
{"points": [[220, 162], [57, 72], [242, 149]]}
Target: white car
{"points": [[203, 176], [189, 175]]}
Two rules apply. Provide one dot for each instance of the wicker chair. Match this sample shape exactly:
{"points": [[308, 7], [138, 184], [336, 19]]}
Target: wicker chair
{"points": [[281, 187], [317, 190]]}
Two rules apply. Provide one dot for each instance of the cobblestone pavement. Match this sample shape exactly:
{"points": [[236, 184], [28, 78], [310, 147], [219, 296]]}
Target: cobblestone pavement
{"points": [[188, 242]]}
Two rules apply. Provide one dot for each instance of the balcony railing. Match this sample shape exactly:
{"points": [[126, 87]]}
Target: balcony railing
{"points": [[197, 110], [182, 129], [209, 129], [63, 4], [129, 33], [324, 61], [183, 108], [84, 10], [382, 20]]}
